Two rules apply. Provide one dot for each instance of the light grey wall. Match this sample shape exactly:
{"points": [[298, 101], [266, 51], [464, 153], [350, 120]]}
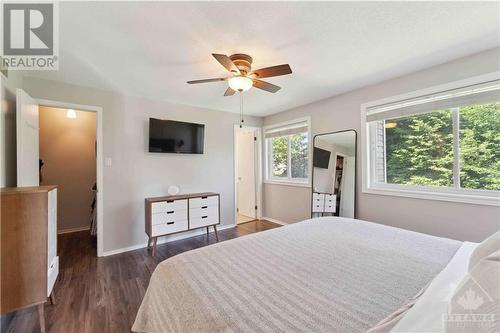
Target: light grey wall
{"points": [[135, 173], [8, 164], [454, 220]]}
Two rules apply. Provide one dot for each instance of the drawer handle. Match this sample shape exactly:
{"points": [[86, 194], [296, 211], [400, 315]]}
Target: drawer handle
{"points": [[170, 212], [203, 207], [204, 217], [170, 223], [170, 201], [204, 197]]}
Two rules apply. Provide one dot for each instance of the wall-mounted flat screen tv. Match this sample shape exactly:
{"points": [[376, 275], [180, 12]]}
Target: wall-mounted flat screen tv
{"points": [[168, 136], [321, 158]]}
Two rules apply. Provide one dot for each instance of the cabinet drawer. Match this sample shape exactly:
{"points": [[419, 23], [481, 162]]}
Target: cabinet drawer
{"points": [[318, 206], [202, 221], [330, 198], [330, 207], [52, 273], [168, 228], [318, 196], [172, 215], [167, 206], [204, 201], [203, 211]]}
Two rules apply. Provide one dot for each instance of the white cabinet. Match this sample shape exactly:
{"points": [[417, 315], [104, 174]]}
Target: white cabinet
{"points": [[29, 264], [323, 202], [172, 214]]}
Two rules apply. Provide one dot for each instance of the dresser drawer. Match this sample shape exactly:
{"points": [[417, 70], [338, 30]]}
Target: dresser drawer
{"points": [[169, 228], [172, 215], [318, 206], [202, 221], [204, 201], [330, 198], [318, 196], [52, 273], [330, 207], [203, 211], [167, 206]]}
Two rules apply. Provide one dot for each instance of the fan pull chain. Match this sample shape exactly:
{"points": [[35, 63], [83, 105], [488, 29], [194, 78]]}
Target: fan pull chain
{"points": [[241, 109]]}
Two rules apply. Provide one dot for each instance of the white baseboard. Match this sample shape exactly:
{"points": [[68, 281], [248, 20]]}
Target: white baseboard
{"points": [[274, 220], [70, 230], [166, 239]]}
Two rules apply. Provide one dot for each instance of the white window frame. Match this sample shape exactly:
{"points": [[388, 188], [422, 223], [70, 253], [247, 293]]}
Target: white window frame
{"points": [[269, 179], [479, 197]]}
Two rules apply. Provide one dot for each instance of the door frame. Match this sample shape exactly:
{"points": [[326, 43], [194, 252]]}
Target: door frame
{"points": [[99, 160], [257, 168]]}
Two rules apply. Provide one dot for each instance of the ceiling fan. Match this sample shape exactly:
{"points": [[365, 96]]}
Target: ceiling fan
{"points": [[240, 65]]}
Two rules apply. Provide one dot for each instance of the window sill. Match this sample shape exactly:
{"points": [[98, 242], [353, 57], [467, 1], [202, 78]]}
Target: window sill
{"points": [[287, 183], [463, 196]]}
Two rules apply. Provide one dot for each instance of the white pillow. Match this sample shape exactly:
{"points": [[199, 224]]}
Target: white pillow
{"points": [[484, 249]]}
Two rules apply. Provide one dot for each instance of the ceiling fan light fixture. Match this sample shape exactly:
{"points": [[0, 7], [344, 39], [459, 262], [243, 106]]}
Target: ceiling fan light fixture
{"points": [[71, 114], [240, 83]]}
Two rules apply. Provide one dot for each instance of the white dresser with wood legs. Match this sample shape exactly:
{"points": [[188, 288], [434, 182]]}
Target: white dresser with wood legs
{"points": [[172, 214]]}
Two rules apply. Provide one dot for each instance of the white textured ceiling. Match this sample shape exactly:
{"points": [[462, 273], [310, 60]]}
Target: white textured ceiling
{"points": [[152, 49]]}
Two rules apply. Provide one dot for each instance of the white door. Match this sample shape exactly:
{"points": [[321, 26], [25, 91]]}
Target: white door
{"points": [[245, 172], [27, 139], [347, 197]]}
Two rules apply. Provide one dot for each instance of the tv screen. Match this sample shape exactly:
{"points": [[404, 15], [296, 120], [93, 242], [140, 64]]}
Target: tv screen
{"points": [[321, 158], [168, 136]]}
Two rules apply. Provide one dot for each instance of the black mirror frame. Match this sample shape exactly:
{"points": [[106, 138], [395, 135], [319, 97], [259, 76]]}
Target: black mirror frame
{"points": [[355, 168]]}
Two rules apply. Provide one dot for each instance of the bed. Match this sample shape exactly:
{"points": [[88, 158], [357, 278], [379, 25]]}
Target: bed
{"points": [[328, 274]]}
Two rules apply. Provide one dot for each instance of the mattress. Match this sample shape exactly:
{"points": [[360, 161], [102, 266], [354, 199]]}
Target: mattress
{"points": [[327, 274]]}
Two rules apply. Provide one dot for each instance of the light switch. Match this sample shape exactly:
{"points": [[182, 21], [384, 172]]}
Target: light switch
{"points": [[108, 162]]}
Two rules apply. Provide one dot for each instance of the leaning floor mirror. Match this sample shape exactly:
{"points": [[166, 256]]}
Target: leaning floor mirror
{"points": [[334, 174]]}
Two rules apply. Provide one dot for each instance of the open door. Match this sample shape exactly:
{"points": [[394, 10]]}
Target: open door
{"points": [[348, 187], [245, 173], [27, 139]]}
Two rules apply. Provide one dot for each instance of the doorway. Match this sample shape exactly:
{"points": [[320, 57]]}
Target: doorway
{"points": [[247, 173], [67, 158], [343, 184], [28, 149]]}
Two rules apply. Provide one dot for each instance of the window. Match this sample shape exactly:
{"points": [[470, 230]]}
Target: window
{"points": [[287, 148], [445, 143]]}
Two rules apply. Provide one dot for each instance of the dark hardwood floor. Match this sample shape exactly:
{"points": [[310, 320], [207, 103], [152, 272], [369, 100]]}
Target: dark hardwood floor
{"points": [[103, 294]]}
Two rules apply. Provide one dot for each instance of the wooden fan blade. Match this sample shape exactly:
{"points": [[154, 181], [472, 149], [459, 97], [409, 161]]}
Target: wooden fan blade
{"points": [[207, 80], [225, 61], [229, 92], [272, 71], [265, 86]]}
